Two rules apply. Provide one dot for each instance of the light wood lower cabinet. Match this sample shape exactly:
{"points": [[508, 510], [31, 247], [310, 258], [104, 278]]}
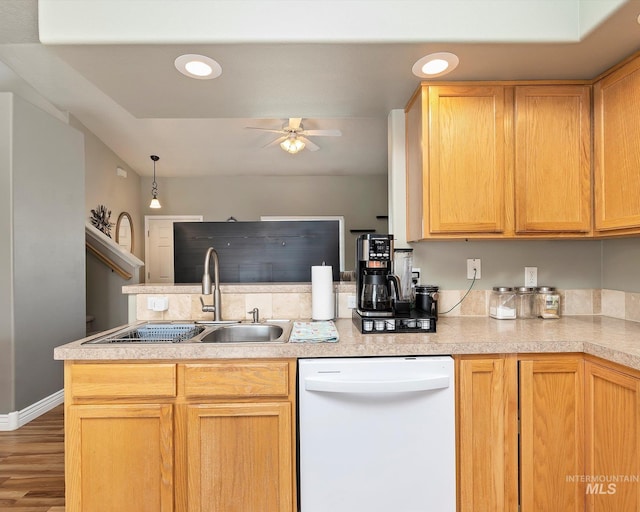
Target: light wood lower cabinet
{"points": [[551, 433], [215, 436], [119, 457], [487, 434], [239, 457], [613, 439], [501, 469]]}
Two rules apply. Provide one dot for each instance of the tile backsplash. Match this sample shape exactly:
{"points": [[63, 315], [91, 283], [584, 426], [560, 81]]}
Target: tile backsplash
{"points": [[281, 301]]}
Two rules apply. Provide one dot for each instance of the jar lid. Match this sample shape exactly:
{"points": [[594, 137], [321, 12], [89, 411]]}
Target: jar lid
{"points": [[525, 289], [426, 288], [545, 289], [502, 289]]}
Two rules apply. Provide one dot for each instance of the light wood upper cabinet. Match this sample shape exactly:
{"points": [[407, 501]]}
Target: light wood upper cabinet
{"points": [[617, 151], [553, 159], [456, 171], [613, 439], [466, 159], [499, 160]]}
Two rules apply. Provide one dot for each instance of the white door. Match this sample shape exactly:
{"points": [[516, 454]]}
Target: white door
{"points": [[159, 245]]}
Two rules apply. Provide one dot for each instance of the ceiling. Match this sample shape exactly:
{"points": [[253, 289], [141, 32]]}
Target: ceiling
{"points": [[124, 88]]}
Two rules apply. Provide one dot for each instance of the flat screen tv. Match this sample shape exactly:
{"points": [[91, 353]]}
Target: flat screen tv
{"points": [[256, 252]]}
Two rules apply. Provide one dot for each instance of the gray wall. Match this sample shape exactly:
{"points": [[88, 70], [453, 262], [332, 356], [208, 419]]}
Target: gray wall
{"points": [[104, 298], [621, 264], [6, 260], [358, 199], [564, 264], [47, 187]]}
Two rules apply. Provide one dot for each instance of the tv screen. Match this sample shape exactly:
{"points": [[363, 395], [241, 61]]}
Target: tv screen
{"points": [[256, 252]]}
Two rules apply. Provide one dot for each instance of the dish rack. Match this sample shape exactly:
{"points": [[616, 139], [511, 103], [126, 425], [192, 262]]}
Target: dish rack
{"points": [[156, 333]]}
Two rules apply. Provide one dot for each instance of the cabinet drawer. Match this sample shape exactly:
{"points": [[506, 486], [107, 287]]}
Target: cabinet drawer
{"points": [[242, 379], [122, 380]]}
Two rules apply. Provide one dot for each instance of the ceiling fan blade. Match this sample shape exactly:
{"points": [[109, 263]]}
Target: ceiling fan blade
{"points": [[308, 144], [271, 130], [275, 142], [320, 133], [294, 123]]}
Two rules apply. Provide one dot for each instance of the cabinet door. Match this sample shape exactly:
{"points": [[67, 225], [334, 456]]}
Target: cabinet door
{"points": [[617, 150], [119, 457], [613, 440], [487, 435], [553, 159], [466, 146], [239, 457], [551, 434]]}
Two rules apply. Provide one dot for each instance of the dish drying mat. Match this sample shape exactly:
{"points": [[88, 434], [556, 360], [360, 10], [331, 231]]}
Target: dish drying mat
{"points": [[314, 332]]}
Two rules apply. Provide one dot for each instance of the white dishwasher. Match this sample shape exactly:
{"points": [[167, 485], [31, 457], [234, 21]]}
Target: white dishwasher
{"points": [[377, 434]]}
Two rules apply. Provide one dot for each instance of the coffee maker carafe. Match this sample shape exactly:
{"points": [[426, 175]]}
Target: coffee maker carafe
{"points": [[377, 287], [376, 292]]}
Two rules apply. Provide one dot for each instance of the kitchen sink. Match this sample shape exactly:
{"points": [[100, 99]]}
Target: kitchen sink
{"points": [[247, 333], [197, 332]]}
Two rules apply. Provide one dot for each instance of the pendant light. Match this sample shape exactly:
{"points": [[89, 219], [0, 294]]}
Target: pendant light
{"points": [[154, 186]]}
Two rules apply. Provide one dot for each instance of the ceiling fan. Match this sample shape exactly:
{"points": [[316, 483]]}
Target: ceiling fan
{"points": [[293, 138]]}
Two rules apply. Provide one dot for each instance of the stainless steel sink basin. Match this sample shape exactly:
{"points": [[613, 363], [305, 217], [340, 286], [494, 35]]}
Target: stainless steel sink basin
{"points": [[247, 333]]}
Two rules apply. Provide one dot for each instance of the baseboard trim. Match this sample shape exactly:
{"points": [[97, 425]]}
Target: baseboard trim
{"points": [[15, 420]]}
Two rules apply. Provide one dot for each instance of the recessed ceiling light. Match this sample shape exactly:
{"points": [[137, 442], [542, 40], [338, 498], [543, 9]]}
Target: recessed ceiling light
{"points": [[435, 64], [198, 66]]}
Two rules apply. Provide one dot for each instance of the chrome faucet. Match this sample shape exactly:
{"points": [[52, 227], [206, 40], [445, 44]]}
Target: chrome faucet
{"points": [[216, 308]]}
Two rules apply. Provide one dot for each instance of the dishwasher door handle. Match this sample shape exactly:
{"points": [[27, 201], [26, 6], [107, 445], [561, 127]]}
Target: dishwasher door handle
{"points": [[335, 385]]}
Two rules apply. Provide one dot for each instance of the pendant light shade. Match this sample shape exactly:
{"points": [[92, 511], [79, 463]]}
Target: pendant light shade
{"points": [[154, 186]]}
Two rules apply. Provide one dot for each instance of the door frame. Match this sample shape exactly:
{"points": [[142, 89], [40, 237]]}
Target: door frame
{"points": [[173, 218]]}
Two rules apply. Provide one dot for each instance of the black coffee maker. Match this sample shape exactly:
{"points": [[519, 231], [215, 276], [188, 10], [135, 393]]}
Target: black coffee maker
{"points": [[381, 308], [377, 287]]}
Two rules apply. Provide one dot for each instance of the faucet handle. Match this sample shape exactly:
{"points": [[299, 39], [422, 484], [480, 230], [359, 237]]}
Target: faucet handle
{"points": [[207, 308], [256, 315]]}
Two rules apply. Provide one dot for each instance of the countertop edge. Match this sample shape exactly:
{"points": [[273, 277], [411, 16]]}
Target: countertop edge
{"points": [[613, 340]]}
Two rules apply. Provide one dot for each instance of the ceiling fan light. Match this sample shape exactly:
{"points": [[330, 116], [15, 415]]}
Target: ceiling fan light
{"points": [[292, 145]]}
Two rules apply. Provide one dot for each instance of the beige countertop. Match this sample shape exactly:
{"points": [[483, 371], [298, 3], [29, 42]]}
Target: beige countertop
{"points": [[611, 339]]}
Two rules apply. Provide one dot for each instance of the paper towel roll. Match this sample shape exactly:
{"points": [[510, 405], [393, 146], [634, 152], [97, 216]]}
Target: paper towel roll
{"points": [[322, 296]]}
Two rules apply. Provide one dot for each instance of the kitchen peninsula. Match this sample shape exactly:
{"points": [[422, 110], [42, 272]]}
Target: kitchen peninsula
{"points": [[191, 420]]}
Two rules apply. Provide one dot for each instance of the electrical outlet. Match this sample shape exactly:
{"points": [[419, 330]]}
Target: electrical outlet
{"points": [[531, 276], [474, 267]]}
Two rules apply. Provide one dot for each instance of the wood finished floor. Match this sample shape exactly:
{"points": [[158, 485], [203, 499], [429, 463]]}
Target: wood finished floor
{"points": [[32, 465]]}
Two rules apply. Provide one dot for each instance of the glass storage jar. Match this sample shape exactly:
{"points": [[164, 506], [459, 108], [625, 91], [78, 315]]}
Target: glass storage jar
{"points": [[525, 302], [548, 302], [502, 304]]}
